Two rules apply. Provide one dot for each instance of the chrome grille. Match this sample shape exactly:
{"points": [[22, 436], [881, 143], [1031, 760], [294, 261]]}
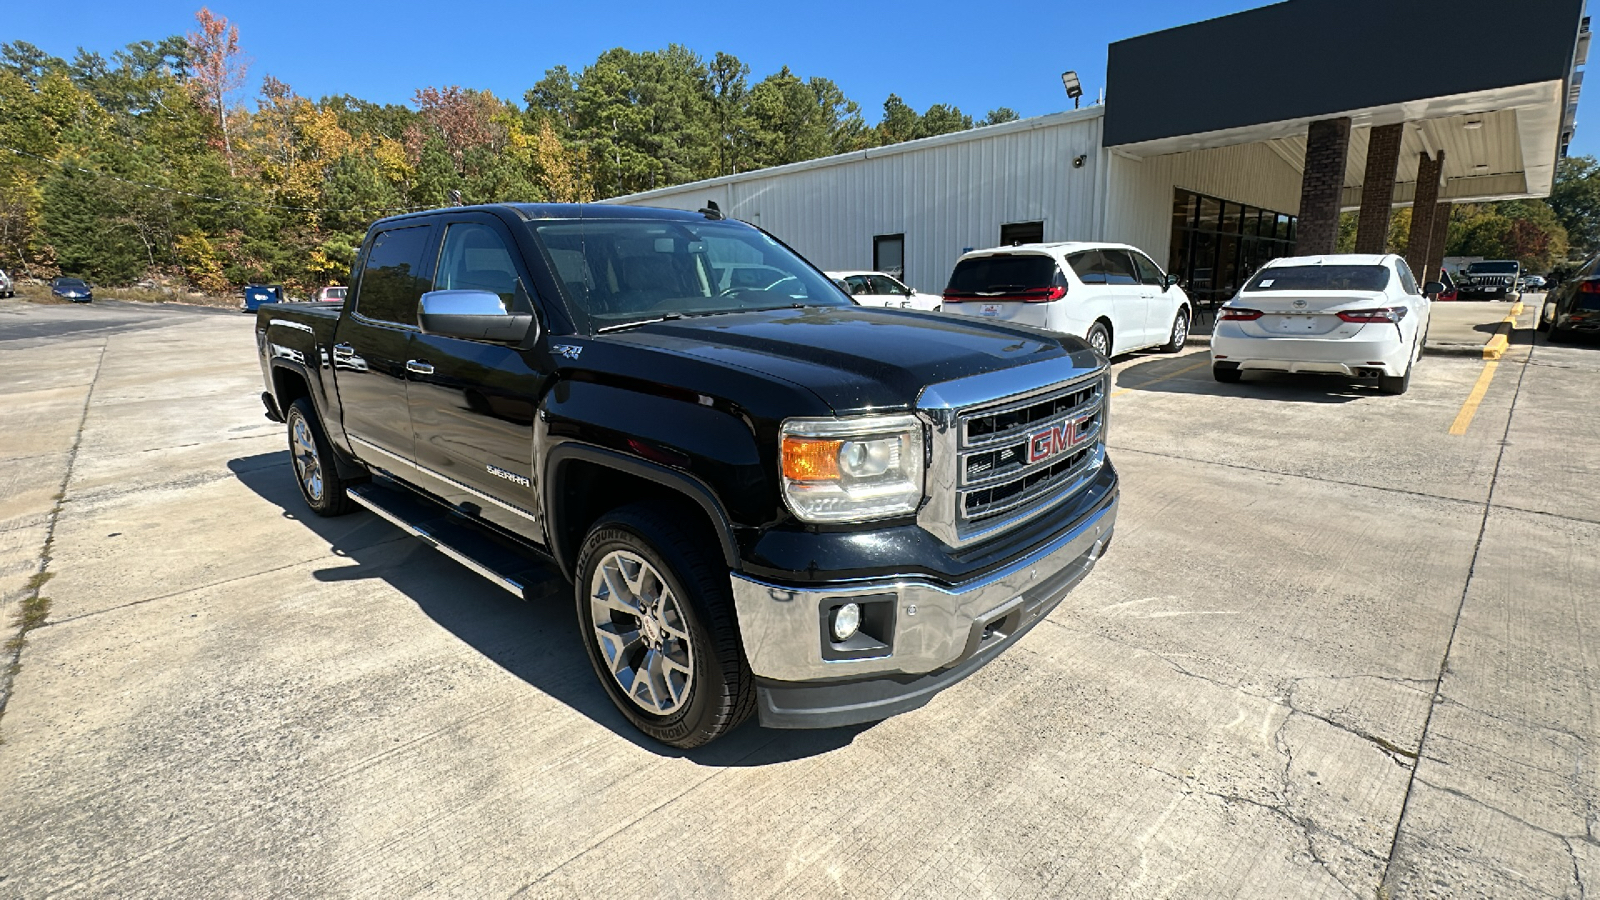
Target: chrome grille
{"points": [[1016, 457]]}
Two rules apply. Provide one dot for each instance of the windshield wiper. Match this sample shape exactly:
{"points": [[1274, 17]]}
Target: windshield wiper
{"points": [[621, 326]]}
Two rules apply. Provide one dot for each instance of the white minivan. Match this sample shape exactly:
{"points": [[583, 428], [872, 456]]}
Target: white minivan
{"points": [[1111, 295]]}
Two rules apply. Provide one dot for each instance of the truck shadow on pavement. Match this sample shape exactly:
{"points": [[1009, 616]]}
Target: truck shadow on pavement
{"points": [[536, 639], [1160, 374]]}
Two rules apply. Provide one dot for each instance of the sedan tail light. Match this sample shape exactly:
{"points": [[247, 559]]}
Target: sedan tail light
{"points": [[1589, 286], [1385, 314], [1236, 314]]}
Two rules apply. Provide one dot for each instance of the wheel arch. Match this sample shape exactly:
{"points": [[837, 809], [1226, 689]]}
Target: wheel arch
{"points": [[583, 482]]}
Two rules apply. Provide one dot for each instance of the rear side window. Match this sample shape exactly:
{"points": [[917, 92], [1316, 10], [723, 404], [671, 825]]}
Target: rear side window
{"points": [[1119, 267], [1407, 280], [1088, 267], [1320, 278], [1003, 274], [391, 283]]}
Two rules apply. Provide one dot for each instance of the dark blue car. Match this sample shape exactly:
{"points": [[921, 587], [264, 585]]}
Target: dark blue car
{"points": [[72, 289], [257, 294]]}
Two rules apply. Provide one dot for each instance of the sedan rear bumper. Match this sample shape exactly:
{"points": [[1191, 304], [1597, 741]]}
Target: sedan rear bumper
{"points": [[1354, 357]]}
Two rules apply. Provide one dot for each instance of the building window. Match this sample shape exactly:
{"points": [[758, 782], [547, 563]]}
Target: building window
{"points": [[1021, 233], [1217, 245], [889, 255]]}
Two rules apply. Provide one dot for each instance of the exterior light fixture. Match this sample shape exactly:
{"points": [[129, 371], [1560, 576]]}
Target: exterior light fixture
{"points": [[1473, 124], [1069, 80]]}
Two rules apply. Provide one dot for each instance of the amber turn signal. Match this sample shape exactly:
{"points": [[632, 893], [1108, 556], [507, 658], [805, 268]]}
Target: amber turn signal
{"points": [[809, 459]]}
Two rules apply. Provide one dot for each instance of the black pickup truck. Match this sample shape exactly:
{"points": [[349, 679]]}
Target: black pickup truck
{"points": [[765, 497]]}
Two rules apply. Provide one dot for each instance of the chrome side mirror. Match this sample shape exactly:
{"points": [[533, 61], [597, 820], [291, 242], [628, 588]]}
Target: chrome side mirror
{"points": [[473, 315]]}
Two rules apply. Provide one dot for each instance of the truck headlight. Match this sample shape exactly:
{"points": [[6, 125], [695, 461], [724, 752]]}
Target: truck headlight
{"points": [[852, 470]]}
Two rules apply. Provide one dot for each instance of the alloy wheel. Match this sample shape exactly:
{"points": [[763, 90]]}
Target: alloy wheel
{"points": [[641, 632], [307, 465], [1180, 331]]}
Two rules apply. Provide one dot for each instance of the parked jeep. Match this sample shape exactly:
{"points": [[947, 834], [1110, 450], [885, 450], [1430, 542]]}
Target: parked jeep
{"points": [[767, 499], [1495, 279]]}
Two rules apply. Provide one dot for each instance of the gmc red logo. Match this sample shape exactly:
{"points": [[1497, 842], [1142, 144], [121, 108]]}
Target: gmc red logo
{"points": [[1058, 438]]}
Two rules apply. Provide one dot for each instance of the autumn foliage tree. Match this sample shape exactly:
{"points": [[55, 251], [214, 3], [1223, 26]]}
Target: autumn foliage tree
{"points": [[217, 68]]}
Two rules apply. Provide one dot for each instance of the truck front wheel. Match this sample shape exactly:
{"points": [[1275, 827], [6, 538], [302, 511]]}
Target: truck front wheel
{"points": [[655, 613], [314, 469]]}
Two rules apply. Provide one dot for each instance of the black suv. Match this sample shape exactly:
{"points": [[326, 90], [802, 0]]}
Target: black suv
{"points": [[766, 498]]}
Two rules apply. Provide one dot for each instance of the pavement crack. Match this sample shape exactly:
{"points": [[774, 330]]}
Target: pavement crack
{"points": [[1577, 871], [35, 609], [1264, 471], [1455, 624]]}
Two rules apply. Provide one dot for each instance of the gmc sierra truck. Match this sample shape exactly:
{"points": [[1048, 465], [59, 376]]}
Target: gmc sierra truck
{"points": [[765, 498]]}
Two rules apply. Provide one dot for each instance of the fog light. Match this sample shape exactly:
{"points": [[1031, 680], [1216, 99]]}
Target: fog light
{"points": [[846, 622]]}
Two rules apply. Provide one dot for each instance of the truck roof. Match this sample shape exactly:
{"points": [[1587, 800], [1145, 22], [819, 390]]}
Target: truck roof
{"points": [[531, 211]]}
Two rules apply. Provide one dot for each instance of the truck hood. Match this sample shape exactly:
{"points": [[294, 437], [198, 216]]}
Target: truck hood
{"points": [[858, 358]]}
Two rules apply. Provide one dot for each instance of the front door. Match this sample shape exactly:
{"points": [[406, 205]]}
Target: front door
{"points": [[374, 345], [473, 402]]}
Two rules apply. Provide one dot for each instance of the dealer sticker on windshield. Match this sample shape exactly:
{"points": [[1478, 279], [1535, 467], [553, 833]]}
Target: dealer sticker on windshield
{"points": [[990, 309]]}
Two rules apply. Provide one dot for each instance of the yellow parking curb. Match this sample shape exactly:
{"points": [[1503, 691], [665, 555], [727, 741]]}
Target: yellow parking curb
{"points": [[1497, 345]]}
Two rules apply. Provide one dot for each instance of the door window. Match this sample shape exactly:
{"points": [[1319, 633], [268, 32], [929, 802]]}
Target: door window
{"points": [[889, 254], [882, 285], [391, 282], [1119, 268], [858, 284], [474, 258], [1087, 266], [1149, 272], [1407, 280]]}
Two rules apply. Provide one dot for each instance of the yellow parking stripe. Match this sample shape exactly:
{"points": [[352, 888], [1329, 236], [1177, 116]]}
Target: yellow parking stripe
{"points": [[1470, 408], [1143, 384]]}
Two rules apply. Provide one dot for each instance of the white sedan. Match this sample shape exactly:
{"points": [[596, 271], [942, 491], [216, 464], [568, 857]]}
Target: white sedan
{"points": [[1362, 316], [878, 289]]}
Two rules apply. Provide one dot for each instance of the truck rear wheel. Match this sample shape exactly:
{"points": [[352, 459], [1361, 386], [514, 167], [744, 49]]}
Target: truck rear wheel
{"points": [[656, 616], [314, 469]]}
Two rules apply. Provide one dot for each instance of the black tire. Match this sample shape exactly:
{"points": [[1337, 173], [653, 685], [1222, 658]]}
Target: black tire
{"points": [[1099, 337], [721, 691], [1226, 374], [1397, 384], [314, 469], [1179, 335]]}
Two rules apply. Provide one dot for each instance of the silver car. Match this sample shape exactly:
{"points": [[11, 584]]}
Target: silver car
{"points": [[7, 287]]}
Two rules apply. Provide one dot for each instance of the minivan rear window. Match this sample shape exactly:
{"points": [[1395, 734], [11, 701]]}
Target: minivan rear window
{"points": [[990, 276], [1320, 278]]}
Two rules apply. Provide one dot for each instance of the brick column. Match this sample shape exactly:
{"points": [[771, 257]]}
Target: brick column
{"points": [[1420, 244], [1322, 186], [1377, 188], [1441, 233]]}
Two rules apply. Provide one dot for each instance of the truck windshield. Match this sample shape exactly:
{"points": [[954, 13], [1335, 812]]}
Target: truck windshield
{"points": [[1492, 268], [617, 272], [1320, 278]]}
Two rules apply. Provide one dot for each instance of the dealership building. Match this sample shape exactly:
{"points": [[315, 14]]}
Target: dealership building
{"points": [[1220, 145]]}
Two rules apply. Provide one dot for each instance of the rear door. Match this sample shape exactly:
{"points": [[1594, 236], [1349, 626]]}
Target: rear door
{"points": [[1013, 287], [1131, 301], [373, 343], [473, 402]]}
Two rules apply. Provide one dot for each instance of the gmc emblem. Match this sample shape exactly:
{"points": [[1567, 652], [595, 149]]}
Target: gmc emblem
{"points": [[1058, 438]]}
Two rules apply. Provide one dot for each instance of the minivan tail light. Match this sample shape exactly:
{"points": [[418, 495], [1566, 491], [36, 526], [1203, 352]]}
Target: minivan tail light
{"points": [[1236, 314], [1027, 295], [1385, 314]]}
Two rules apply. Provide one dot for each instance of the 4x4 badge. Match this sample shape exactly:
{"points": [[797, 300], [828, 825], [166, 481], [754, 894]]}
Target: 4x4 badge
{"points": [[570, 351]]}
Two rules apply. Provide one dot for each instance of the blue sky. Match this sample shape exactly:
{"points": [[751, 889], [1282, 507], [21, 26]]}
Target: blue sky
{"points": [[977, 56]]}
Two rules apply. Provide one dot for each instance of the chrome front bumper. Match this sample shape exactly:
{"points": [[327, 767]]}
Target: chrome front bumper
{"points": [[935, 626]]}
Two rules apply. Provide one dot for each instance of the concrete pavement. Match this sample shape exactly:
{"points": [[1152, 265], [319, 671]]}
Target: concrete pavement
{"points": [[1334, 649]]}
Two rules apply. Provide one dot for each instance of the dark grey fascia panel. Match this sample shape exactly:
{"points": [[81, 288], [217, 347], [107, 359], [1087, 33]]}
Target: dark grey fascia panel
{"points": [[1309, 58]]}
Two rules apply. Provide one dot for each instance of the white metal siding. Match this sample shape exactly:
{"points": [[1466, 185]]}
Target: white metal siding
{"points": [[945, 194], [1140, 190]]}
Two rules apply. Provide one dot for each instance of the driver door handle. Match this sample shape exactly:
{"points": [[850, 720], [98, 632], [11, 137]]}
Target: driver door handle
{"points": [[418, 367]]}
